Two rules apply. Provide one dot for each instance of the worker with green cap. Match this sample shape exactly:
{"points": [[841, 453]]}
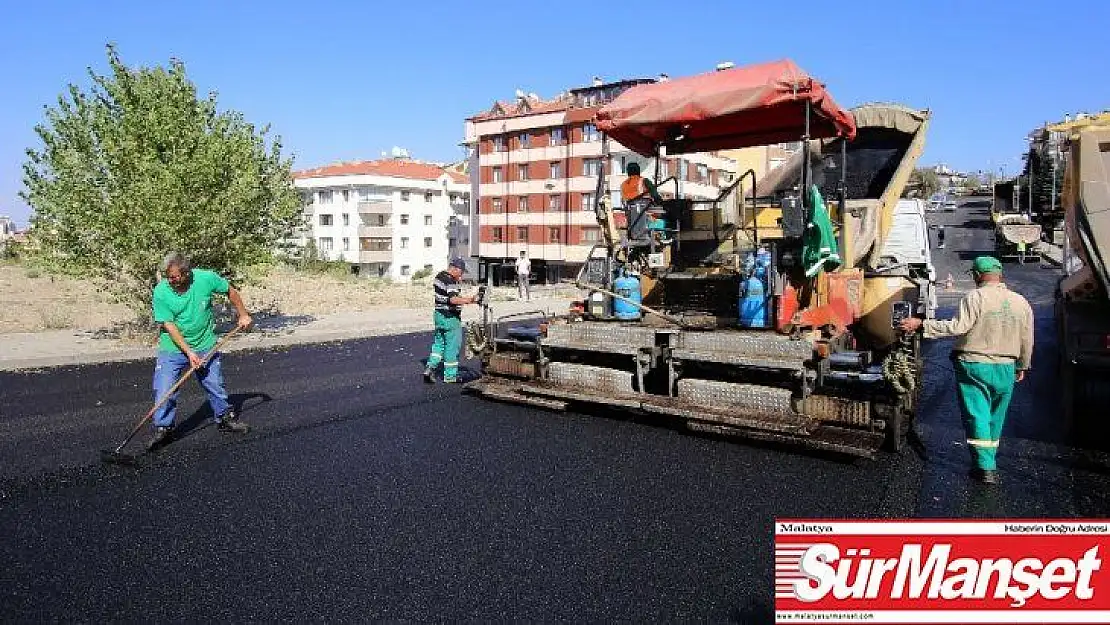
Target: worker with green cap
{"points": [[993, 349]]}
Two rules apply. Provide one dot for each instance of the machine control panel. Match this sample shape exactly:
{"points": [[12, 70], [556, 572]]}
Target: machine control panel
{"points": [[899, 311]]}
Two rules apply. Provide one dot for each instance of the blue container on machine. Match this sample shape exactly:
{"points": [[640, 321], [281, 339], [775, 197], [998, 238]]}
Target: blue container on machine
{"points": [[753, 300], [628, 287]]}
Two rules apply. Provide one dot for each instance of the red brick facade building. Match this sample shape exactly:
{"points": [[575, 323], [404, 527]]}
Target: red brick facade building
{"points": [[534, 165]]}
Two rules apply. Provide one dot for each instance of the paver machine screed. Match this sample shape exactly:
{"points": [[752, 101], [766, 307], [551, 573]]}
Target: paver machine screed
{"points": [[751, 314]]}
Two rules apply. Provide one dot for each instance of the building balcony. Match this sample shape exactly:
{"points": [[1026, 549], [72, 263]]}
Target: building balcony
{"points": [[375, 256], [375, 207], [376, 232]]}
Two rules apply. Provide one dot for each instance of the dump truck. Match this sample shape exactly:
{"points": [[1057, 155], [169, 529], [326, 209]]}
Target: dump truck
{"points": [[1015, 233], [1082, 304], [727, 316]]}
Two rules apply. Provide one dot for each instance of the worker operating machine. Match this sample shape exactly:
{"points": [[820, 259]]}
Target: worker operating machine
{"points": [[767, 313]]}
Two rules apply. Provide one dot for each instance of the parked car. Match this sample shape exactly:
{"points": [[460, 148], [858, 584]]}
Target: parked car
{"points": [[950, 206]]}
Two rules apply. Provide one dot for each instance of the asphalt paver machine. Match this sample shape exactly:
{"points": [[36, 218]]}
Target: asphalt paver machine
{"points": [[735, 316]]}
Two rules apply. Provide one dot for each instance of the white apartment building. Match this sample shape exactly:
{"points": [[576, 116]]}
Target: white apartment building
{"points": [[388, 218], [7, 227]]}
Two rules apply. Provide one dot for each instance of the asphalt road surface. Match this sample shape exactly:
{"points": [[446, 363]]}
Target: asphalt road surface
{"points": [[363, 494]]}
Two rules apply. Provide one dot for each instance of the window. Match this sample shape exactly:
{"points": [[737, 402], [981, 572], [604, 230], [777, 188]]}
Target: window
{"points": [[497, 174], [590, 133], [326, 244], [404, 243], [682, 169], [428, 196], [588, 201], [365, 194], [427, 220], [404, 196], [498, 235], [427, 241], [591, 166], [376, 244], [556, 170], [325, 220], [554, 202], [346, 195], [453, 197], [558, 136], [522, 172], [522, 234], [590, 235], [496, 204], [664, 169], [346, 244], [554, 235], [404, 220], [452, 242], [346, 218], [324, 197], [404, 270], [525, 140], [381, 220], [703, 173], [522, 204], [499, 144]]}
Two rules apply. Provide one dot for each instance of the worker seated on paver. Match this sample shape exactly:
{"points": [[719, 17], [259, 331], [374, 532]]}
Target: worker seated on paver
{"points": [[637, 195]]}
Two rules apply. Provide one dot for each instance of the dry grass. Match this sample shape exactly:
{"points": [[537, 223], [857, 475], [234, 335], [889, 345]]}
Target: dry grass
{"points": [[31, 301]]}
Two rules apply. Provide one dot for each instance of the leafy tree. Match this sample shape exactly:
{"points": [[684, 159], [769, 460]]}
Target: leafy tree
{"points": [[1038, 168], [923, 183], [138, 166], [972, 183]]}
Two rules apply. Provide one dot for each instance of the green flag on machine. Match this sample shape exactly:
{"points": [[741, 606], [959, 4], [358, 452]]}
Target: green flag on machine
{"points": [[819, 250]]}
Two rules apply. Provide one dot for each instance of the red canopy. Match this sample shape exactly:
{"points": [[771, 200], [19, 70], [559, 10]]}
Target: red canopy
{"points": [[734, 108]]}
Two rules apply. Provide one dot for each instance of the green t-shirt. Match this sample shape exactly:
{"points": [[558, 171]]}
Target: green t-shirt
{"points": [[190, 311]]}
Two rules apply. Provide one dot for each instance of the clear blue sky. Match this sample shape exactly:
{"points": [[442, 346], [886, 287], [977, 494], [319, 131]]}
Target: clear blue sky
{"points": [[349, 79]]}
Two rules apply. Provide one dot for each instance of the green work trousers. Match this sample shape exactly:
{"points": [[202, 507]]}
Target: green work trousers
{"points": [[985, 391], [446, 345]]}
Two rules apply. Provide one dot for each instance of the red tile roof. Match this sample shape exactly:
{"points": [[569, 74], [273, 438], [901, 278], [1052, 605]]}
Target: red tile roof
{"points": [[502, 109], [413, 170]]}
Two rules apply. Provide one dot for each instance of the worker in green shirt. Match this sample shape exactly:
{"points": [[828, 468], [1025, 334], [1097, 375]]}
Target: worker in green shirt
{"points": [[183, 308]]}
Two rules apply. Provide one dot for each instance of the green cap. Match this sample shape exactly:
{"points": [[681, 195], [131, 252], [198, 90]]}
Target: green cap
{"points": [[987, 264]]}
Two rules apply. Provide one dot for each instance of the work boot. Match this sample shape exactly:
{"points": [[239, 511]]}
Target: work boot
{"points": [[428, 377], [985, 476], [230, 423], [161, 435]]}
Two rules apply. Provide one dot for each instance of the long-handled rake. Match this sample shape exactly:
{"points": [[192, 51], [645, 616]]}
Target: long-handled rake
{"points": [[116, 456]]}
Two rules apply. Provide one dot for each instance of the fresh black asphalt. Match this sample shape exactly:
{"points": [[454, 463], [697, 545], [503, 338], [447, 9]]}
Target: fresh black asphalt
{"points": [[363, 494]]}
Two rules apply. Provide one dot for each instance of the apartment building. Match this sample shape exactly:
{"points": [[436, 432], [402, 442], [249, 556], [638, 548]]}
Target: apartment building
{"points": [[761, 159], [388, 218], [534, 169]]}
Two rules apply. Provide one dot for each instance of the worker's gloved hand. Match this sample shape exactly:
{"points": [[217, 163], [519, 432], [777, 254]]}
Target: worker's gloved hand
{"points": [[910, 324]]}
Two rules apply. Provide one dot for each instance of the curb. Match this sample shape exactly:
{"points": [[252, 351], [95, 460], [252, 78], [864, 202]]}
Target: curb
{"points": [[1052, 261]]}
